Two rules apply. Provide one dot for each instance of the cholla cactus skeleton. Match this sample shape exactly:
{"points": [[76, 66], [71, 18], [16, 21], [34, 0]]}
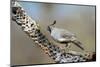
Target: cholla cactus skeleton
{"points": [[31, 27]]}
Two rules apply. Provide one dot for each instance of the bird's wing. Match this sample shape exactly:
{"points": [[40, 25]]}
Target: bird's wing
{"points": [[61, 34], [66, 34]]}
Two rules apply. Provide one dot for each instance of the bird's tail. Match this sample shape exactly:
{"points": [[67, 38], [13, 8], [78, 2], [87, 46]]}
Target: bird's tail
{"points": [[78, 43]]}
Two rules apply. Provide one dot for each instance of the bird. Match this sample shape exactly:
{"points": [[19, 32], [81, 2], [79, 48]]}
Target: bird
{"points": [[63, 36]]}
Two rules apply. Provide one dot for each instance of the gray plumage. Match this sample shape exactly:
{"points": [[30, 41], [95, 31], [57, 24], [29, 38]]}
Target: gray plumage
{"points": [[63, 36]]}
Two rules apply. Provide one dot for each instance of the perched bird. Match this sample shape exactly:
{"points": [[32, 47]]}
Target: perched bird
{"points": [[63, 36]]}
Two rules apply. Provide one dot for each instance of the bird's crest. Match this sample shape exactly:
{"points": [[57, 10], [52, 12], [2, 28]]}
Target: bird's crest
{"points": [[54, 22]]}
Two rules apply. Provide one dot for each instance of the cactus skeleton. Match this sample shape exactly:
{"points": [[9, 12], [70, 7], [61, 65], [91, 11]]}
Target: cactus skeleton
{"points": [[32, 29]]}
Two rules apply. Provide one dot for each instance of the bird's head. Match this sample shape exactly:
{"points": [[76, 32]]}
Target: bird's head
{"points": [[50, 27]]}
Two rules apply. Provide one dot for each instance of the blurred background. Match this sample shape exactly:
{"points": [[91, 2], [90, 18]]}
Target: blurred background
{"points": [[75, 18]]}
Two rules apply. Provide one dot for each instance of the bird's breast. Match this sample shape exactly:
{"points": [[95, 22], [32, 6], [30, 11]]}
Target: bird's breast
{"points": [[57, 36]]}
